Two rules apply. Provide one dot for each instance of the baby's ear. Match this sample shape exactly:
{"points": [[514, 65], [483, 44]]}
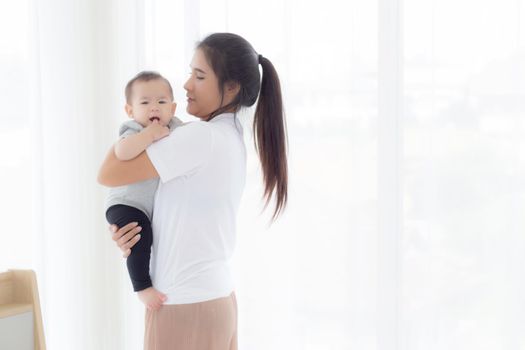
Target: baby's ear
{"points": [[173, 108], [129, 110]]}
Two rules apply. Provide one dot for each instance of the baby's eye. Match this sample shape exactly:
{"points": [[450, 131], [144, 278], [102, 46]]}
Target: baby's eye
{"points": [[162, 102], [144, 103]]}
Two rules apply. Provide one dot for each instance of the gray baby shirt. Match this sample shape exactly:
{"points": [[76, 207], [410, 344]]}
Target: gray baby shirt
{"points": [[139, 195]]}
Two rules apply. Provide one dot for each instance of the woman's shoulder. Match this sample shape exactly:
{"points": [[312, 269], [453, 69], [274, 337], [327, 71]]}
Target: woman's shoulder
{"points": [[191, 134], [197, 126]]}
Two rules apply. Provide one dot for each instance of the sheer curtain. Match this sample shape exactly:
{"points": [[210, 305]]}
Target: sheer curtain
{"points": [[404, 226], [463, 238], [68, 62]]}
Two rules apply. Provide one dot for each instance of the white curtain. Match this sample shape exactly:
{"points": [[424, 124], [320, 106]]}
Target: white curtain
{"points": [[65, 106], [404, 228]]}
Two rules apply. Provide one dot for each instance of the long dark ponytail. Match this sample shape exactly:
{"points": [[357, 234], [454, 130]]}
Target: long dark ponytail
{"points": [[233, 59], [269, 127]]}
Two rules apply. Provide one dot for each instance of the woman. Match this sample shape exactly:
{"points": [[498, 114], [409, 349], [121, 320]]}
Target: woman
{"points": [[202, 168]]}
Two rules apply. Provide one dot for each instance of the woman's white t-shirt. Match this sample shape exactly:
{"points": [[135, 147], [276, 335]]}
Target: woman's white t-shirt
{"points": [[202, 169]]}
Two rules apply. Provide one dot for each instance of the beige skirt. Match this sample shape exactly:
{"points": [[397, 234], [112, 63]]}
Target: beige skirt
{"points": [[208, 325]]}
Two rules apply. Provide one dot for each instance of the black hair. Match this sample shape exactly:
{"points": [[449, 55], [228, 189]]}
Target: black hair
{"points": [[234, 60], [145, 76]]}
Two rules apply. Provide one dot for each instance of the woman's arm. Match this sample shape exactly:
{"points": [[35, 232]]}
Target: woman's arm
{"points": [[115, 172]]}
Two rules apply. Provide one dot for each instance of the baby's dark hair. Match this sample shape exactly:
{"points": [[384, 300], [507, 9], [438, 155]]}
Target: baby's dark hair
{"points": [[145, 76]]}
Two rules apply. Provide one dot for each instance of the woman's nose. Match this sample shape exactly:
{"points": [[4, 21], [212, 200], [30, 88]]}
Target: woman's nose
{"points": [[187, 85]]}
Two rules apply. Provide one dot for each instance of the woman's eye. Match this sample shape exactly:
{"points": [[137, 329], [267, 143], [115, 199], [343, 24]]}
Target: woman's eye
{"points": [[200, 78]]}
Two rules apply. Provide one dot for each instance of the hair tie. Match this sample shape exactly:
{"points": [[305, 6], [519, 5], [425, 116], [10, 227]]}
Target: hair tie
{"points": [[260, 58]]}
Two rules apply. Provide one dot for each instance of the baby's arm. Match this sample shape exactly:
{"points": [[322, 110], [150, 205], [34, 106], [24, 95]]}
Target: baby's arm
{"points": [[133, 145]]}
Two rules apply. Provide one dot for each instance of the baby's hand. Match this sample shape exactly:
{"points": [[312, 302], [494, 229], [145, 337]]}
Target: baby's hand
{"points": [[152, 298], [157, 131]]}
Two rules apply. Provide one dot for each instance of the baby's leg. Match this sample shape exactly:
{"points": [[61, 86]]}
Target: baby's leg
{"points": [[138, 261]]}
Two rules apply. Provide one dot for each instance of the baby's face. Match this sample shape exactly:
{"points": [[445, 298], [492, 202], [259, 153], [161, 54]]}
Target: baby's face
{"points": [[151, 100]]}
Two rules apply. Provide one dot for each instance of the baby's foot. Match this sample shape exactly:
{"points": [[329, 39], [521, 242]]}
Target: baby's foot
{"points": [[152, 298]]}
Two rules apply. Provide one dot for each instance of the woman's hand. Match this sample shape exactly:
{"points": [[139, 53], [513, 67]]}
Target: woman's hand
{"points": [[126, 237]]}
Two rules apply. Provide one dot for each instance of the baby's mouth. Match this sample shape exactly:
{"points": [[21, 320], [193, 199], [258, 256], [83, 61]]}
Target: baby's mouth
{"points": [[154, 118]]}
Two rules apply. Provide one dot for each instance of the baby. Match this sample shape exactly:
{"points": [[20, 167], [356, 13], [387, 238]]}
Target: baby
{"points": [[149, 103]]}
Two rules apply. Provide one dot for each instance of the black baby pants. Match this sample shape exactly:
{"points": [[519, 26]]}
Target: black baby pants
{"points": [[138, 261]]}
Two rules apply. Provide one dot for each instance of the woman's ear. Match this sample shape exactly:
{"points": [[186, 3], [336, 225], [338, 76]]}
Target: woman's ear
{"points": [[231, 89]]}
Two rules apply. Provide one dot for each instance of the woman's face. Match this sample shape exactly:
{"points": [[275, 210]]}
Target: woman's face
{"points": [[202, 88]]}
